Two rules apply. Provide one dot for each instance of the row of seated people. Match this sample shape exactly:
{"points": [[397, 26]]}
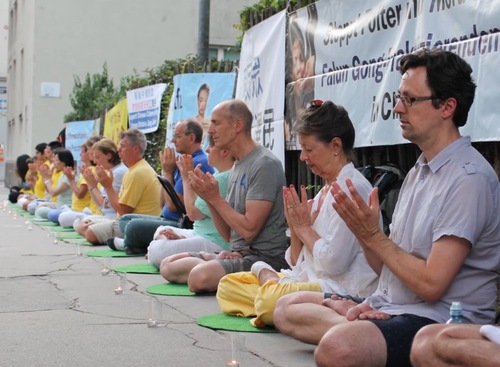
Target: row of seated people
{"points": [[52, 190], [339, 267]]}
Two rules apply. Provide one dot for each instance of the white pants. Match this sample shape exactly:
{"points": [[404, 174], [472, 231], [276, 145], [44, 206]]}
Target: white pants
{"points": [[160, 249], [68, 217]]}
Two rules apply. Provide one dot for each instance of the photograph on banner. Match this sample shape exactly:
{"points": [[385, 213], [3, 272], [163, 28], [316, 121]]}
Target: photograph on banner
{"points": [[194, 97], [358, 47], [144, 107], [261, 78], [77, 133], [300, 66], [116, 121]]}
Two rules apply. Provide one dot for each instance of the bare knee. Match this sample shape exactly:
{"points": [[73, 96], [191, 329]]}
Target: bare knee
{"points": [[421, 349], [166, 270], [331, 350], [199, 280], [280, 314], [205, 276], [90, 236]]}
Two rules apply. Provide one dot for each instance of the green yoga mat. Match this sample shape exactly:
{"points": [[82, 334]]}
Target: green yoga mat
{"points": [[46, 224], [83, 243], [221, 321], [62, 229], [170, 289], [40, 220], [137, 269], [68, 235], [108, 253]]}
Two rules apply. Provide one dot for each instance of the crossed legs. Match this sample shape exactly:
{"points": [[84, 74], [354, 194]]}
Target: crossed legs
{"points": [[201, 275]]}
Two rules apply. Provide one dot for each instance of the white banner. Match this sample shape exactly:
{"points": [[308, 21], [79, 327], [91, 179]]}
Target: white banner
{"points": [[356, 47], [144, 107], [261, 79]]}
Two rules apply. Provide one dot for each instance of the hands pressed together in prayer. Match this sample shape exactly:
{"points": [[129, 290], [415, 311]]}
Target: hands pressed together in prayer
{"points": [[362, 219], [168, 160], [204, 184], [104, 177], [185, 165], [297, 211], [70, 173], [45, 171], [89, 176]]}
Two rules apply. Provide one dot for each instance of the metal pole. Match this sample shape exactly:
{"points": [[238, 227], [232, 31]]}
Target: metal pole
{"points": [[203, 31]]}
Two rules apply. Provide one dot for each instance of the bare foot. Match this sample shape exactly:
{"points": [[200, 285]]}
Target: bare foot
{"points": [[341, 306], [266, 274]]}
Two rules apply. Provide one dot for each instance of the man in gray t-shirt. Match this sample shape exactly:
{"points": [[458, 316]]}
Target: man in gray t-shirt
{"points": [[251, 218]]}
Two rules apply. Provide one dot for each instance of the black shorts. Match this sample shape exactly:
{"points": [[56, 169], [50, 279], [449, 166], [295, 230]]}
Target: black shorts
{"points": [[399, 332]]}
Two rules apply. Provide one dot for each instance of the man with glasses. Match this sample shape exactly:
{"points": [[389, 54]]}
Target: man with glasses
{"points": [[139, 229], [445, 234]]}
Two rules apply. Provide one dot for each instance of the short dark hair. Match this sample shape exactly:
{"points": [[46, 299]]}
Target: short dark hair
{"points": [[448, 76], [65, 156], [326, 121], [40, 148], [193, 127], [55, 144]]}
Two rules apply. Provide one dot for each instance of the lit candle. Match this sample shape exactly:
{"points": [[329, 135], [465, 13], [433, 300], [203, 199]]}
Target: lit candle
{"points": [[233, 364]]}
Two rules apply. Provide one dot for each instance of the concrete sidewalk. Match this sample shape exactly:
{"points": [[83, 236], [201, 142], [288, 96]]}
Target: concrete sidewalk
{"points": [[56, 309]]}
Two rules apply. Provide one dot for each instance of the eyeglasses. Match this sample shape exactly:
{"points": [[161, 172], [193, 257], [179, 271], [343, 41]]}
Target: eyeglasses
{"points": [[408, 101], [315, 103], [178, 136]]}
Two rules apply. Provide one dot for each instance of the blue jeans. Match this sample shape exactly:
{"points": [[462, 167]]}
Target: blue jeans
{"points": [[139, 229]]}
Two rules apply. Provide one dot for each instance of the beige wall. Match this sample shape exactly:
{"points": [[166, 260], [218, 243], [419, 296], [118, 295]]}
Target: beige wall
{"points": [[4, 33], [54, 40]]}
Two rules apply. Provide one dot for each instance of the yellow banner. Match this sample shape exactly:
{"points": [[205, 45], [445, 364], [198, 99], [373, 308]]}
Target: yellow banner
{"points": [[116, 121]]}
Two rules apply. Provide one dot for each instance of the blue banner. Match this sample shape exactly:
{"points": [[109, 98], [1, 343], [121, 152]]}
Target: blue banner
{"points": [[77, 133], [195, 95]]}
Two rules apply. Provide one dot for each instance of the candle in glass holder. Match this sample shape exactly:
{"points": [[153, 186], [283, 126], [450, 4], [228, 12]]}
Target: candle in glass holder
{"points": [[79, 250], [106, 268], [122, 282]]}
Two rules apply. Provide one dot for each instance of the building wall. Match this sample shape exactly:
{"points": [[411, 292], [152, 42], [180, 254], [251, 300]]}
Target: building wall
{"points": [[52, 41], [4, 34]]}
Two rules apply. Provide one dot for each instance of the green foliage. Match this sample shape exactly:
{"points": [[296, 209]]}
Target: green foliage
{"points": [[96, 94], [92, 96], [254, 14]]}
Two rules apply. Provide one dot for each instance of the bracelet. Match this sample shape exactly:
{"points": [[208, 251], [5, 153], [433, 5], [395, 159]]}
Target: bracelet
{"points": [[46, 182], [92, 188]]}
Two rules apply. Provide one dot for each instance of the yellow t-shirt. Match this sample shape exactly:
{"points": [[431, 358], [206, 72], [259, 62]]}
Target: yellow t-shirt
{"points": [[39, 185], [55, 179], [79, 204], [141, 189]]}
